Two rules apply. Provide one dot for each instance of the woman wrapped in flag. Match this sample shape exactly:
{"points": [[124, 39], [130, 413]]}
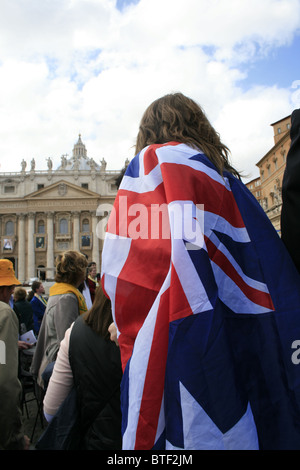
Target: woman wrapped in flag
{"points": [[205, 297]]}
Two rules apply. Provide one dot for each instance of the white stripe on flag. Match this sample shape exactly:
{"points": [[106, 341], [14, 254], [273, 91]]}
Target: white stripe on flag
{"points": [[138, 368], [114, 255]]}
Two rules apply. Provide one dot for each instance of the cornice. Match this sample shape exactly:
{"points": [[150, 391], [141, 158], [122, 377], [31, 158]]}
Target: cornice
{"points": [[284, 138]]}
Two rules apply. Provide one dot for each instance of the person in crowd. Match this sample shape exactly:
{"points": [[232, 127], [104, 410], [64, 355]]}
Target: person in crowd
{"points": [[205, 298], [92, 279], [290, 213], [38, 304], [64, 305], [85, 290], [11, 426], [90, 361], [23, 310]]}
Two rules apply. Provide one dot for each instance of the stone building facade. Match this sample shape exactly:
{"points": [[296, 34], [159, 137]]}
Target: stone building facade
{"points": [[268, 186], [44, 213]]}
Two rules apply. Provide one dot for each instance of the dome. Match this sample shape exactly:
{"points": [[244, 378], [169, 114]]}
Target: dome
{"points": [[79, 161]]}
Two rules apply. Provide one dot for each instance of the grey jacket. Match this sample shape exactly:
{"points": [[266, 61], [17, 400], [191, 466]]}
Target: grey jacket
{"points": [[62, 310], [11, 427]]}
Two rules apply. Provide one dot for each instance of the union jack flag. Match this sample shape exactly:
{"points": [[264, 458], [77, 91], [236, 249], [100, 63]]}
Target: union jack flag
{"points": [[207, 305]]}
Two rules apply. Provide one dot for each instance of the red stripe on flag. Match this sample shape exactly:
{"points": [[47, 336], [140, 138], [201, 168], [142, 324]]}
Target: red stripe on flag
{"points": [[138, 285], [154, 380], [183, 183], [134, 214], [179, 305], [150, 160], [150, 157], [254, 295]]}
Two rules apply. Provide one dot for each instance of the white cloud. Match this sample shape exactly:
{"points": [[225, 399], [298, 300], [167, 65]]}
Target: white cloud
{"points": [[82, 66], [246, 124]]}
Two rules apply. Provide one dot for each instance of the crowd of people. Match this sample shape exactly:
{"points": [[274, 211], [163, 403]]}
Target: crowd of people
{"points": [[165, 328], [51, 319]]}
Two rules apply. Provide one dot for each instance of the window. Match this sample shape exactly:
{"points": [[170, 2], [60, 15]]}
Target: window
{"points": [[41, 226], [85, 185], [40, 186], [9, 189], [279, 130], [63, 226], [85, 225], [9, 228]]}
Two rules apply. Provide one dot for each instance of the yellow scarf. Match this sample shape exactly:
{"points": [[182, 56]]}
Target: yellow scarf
{"points": [[63, 288], [94, 280]]}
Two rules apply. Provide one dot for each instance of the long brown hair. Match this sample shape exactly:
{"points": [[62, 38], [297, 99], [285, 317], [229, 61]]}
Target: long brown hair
{"points": [[175, 117], [99, 317], [70, 266]]}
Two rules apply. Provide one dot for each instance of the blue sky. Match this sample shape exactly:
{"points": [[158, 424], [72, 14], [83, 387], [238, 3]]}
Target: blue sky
{"points": [[121, 4], [280, 67], [93, 66]]}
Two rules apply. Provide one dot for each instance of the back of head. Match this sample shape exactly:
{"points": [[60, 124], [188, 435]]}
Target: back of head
{"points": [[70, 266], [175, 117], [19, 294]]}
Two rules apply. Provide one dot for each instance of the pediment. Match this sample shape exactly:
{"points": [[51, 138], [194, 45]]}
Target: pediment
{"points": [[63, 189]]}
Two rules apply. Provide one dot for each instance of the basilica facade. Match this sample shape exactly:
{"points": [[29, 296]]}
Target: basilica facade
{"points": [[46, 212]]}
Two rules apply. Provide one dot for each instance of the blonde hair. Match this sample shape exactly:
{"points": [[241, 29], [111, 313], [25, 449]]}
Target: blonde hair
{"points": [[175, 117], [70, 266]]}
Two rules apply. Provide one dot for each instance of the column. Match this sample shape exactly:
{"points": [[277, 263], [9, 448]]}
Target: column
{"points": [[50, 247], [21, 248], [95, 250], [76, 230], [31, 271]]}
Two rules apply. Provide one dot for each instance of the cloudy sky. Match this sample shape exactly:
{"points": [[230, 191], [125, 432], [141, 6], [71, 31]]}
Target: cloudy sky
{"points": [[91, 67]]}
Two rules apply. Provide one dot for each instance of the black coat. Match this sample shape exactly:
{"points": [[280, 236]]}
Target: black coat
{"points": [[97, 372], [290, 214], [24, 313]]}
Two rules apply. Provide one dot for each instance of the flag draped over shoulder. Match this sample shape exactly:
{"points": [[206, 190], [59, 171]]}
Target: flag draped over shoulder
{"points": [[207, 305]]}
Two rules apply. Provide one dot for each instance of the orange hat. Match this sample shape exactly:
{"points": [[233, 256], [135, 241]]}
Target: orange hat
{"points": [[7, 274]]}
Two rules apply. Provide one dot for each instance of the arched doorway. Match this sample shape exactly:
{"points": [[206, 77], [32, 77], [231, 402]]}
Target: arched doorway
{"points": [[41, 272]]}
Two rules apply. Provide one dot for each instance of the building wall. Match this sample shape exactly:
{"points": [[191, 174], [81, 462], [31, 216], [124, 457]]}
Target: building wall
{"points": [[255, 187], [271, 168]]}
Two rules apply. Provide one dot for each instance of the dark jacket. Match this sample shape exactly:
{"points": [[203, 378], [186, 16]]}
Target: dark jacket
{"points": [[24, 313], [290, 214], [38, 312], [97, 372]]}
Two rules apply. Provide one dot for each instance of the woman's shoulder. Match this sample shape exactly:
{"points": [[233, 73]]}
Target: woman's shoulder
{"points": [[67, 297]]}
